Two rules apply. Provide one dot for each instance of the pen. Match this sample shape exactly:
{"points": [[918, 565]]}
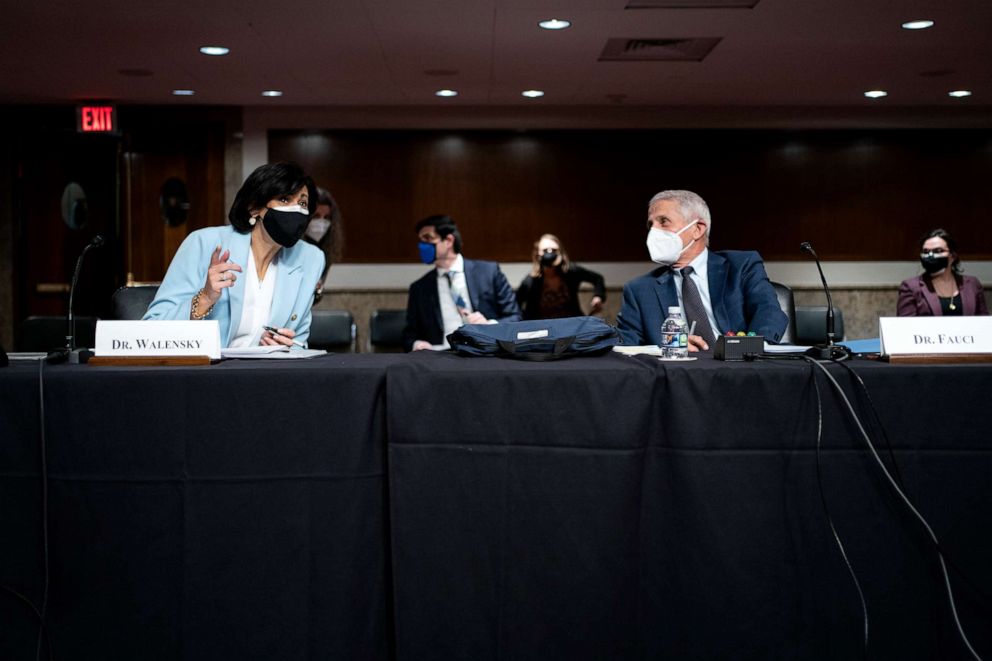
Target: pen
{"points": [[692, 328], [276, 332]]}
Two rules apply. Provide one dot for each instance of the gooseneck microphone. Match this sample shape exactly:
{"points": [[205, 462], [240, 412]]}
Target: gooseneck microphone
{"points": [[829, 350], [68, 351]]}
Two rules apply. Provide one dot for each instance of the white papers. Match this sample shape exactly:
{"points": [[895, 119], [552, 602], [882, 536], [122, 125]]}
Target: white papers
{"points": [[643, 350], [275, 352], [784, 348]]}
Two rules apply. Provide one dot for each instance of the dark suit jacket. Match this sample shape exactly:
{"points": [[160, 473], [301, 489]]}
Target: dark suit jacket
{"points": [[742, 298], [917, 297], [488, 289], [530, 289]]}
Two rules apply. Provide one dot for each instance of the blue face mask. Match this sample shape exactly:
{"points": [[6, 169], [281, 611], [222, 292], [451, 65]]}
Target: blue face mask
{"points": [[428, 252]]}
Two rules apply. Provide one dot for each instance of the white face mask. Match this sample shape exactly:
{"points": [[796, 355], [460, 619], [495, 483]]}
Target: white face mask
{"points": [[318, 228], [665, 246]]}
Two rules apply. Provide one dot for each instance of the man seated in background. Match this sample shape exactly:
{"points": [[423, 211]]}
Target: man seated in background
{"points": [[458, 291], [721, 291]]}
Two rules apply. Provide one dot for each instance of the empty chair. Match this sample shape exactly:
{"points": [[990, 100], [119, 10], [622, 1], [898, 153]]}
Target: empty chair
{"points": [[386, 331], [332, 330], [131, 301], [48, 333], [811, 324], [787, 302]]}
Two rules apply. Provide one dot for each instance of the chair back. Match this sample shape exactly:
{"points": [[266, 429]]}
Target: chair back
{"points": [[386, 331], [332, 330], [48, 333], [787, 302], [130, 302], [811, 324]]}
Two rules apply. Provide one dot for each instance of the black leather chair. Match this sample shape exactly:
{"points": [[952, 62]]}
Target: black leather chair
{"points": [[787, 302], [131, 301], [386, 331], [332, 330], [811, 324], [48, 333]]}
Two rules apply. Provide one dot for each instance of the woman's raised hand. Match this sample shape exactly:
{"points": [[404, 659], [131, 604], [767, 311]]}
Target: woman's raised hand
{"points": [[220, 274]]}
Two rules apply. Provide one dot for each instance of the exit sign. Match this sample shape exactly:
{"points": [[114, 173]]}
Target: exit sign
{"points": [[96, 119]]}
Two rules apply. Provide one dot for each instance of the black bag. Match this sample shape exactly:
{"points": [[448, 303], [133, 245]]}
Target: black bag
{"points": [[539, 339]]}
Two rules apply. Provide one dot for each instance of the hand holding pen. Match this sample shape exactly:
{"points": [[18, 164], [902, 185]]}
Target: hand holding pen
{"points": [[696, 342], [279, 336]]}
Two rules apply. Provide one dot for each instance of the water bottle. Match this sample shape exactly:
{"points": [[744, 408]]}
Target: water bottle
{"points": [[674, 335]]}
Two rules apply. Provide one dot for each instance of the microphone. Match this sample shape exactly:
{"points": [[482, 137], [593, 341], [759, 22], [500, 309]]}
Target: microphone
{"points": [[828, 351], [69, 350]]}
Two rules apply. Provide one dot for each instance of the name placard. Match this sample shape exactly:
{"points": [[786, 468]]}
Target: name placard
{"points": [[158, 338], [935, 335]]}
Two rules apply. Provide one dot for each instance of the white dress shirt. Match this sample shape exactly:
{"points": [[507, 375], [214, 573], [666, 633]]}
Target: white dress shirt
{"points": [[448, 294], [258, 303]]}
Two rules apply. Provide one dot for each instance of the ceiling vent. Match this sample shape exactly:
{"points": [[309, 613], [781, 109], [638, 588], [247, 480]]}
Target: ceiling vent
{"points": [[658, 50], [691, 4]]}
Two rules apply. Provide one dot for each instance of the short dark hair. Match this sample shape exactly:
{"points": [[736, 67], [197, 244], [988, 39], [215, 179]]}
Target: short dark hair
{"points": [[266, 182], [952, 245], [443, 225]]}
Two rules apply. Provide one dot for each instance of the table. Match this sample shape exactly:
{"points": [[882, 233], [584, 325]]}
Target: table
{"points": [[599, 508], [624, 508], [233, 511]]}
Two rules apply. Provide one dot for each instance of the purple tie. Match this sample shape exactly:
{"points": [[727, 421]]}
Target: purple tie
{"points": [[694, 309]]}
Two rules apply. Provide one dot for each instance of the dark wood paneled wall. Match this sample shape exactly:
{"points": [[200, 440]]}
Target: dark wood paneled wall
{"points": [[856, 194]]}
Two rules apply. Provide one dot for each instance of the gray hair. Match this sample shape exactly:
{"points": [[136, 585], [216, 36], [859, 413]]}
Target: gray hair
{"points": [[691, 206]]}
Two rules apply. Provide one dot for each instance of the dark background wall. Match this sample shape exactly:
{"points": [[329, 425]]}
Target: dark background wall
{"points": [[857, 194], [122, 176]]}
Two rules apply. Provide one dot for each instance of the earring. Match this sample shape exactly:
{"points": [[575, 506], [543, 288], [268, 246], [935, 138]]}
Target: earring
{"points": [[253, 220]]}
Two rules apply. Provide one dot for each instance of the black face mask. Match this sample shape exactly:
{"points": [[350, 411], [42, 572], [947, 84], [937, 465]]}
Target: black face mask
{"points": [[933, 264], [286, 225], [548, 258]]}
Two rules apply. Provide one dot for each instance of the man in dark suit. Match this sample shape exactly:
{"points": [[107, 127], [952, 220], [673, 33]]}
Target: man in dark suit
{"points": [[457, 291], [719, 291]]}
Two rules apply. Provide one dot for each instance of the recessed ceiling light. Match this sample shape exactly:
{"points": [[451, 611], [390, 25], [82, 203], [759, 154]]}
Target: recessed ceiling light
{"points": [[555, 24], [532, 94], [876, 94], [214, 50], [183, 92], [272, 93], [446, 93], [918, 25], [959, 94]]}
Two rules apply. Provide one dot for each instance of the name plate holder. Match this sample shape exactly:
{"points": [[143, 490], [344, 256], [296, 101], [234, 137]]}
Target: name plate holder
{"points": [[936, 339], [147, 343]]}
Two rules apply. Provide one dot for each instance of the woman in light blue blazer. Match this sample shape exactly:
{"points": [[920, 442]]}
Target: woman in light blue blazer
{"points": [[254, 273]]}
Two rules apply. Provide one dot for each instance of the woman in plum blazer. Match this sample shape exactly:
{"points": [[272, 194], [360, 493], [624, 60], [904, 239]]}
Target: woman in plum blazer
{"points": [[941, 290]]}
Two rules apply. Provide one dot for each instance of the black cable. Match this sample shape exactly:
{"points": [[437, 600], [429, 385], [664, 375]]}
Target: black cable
{"points": [[43, 629], [826, 507], [878, 421], [905, 499], [40, 613], [968, 580]]}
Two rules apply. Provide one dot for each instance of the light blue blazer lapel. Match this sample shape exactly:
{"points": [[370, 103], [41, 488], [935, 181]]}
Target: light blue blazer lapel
{"points": [[716, 272], [287, 289], [240, 247]]}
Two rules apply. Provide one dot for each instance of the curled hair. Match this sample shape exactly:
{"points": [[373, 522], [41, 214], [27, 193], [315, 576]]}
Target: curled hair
{"points": [[952, 246], [691, 206], [443, 226], [535, 269], [269, 181]]}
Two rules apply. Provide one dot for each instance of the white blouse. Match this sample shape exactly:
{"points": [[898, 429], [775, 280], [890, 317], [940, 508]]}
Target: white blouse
{"points": [[257, 303]]}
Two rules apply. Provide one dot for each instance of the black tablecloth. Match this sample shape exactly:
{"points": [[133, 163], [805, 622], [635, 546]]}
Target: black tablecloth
{"points": [[227, 512], [623, 508], [598, 508]]}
